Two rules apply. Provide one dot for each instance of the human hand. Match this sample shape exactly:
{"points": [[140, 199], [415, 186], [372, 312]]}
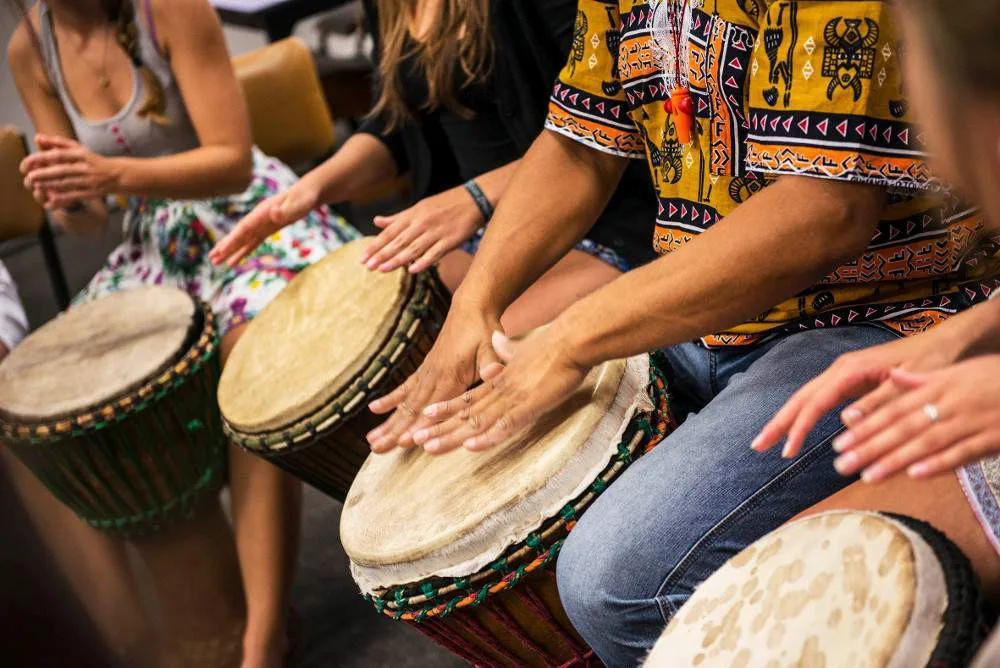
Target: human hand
{"points": [[424, 233], [539, 375], [268, 217], [937, 422], [63, 173], [862, 373], [461, 354]]}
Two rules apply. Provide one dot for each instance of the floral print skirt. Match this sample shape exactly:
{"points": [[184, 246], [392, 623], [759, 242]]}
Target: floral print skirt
{"points": [[167, 243]]}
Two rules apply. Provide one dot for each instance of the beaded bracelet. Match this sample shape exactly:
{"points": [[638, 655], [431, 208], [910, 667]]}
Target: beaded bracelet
{"points": [[480, 199]]}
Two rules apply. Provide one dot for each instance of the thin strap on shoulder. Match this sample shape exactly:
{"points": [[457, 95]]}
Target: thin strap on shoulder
{"points": [[147, 9]]}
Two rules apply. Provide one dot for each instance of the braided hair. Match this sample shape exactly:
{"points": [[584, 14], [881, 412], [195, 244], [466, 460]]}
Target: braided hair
{"points": [[122, 12]]}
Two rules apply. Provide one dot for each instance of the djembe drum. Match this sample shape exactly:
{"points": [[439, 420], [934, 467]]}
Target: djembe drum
{"points": [[112, 407], [296, 388], [856, 589], [463, 544]]}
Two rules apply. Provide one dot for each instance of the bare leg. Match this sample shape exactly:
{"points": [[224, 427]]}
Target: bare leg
{"points": [[95, 566], [939, 501], [573, 277], [267, 505], [195, 574]]}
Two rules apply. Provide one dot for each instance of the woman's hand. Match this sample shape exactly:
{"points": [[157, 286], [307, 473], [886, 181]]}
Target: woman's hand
{"points": [[538, 376], [268, 217], [864, 372], [424, 233], [63, 172], [940, 420], [461, 355]]}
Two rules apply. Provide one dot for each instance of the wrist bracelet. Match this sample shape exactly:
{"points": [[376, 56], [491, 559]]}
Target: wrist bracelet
{"points": [[480, 199]]}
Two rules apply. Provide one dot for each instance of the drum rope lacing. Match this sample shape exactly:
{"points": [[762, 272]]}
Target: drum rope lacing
{"points": [[413, 323], [126, 501], [399, 602]]}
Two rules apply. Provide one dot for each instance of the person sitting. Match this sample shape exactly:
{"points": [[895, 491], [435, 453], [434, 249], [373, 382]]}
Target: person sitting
{"points": [[798, 222], [457, 101]]}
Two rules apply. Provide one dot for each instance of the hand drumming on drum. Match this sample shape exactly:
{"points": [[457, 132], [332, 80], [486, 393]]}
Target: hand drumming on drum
{"points": [[537, 377], [921, 409]]}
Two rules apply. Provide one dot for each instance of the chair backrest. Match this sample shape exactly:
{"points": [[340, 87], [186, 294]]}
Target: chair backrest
{"points": [[20, 214], [290, 118]]}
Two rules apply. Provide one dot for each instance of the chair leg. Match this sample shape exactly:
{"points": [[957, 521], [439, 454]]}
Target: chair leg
{"points": [[54, 266]]}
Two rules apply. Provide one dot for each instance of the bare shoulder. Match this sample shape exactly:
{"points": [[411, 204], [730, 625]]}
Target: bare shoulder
{"points": [[182, 14], [23, 54]]}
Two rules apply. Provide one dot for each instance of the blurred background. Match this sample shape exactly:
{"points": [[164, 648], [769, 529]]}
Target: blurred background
{"points": [[40, 622]]}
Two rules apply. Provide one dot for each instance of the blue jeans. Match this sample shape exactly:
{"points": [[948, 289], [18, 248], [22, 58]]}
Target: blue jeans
{"points": [[680, 512]]}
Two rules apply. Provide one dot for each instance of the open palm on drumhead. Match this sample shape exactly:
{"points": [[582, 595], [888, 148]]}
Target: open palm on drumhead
{"points": [[939, 421], [538, 376], [461, 354]]}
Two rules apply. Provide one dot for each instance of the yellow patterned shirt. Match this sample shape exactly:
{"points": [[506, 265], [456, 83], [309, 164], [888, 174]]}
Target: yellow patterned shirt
{"points": [[809, 87]]}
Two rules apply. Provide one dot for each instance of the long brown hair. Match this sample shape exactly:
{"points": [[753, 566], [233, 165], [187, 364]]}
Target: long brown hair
{"points": [[122, 14], [459, 38]]}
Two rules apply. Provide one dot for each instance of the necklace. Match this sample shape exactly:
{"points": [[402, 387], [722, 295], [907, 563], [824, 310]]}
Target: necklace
{"points": [[101, 72], [671, 27]]}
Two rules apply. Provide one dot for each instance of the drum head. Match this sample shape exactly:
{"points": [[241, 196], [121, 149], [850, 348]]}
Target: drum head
{"points": [[839, 589], [410, 515], [95, 353], [304, 348]]}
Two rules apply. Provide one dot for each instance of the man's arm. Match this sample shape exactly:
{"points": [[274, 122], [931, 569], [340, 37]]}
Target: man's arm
{"points": [[552, 201], [776, 244]]}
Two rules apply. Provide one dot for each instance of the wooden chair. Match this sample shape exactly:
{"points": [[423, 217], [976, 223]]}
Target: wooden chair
{"points": [[21, 215], [289, 115]]}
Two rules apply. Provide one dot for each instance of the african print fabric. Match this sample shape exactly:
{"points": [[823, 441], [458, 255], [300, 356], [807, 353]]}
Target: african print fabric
{"points": [[808, 87], [167, 243]]}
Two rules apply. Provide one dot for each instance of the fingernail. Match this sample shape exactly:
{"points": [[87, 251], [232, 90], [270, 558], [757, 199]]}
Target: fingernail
{"points": [[421, 436], [374, 405], [431, 410], [432, 445], [850, 415], [755, 444], [843, 441], [470, 443], [385, 267], [371, 263], [845, 463], [872, 474], [786, 450], [373, 435], [413, 269], [918, 470]]}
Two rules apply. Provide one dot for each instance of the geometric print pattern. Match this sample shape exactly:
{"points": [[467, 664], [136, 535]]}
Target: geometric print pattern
{"points": [[781, 88]]}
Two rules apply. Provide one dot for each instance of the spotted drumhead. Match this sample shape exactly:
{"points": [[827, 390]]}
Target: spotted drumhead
{"points": [[95, 353], [839, 589], [303, 349]]}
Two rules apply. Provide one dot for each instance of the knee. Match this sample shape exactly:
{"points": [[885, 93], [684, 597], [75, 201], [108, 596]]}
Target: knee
{"points": [[590, 574]]}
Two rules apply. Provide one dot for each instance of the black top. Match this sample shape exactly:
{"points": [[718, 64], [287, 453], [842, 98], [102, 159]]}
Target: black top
{"points": [[479, 143], [531, 41]]}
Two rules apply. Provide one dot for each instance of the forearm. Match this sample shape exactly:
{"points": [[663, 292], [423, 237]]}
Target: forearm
{"points": [[777, 244], [362, 163], [207, 171], [539, 219], [494, 183], [973, 332]]}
